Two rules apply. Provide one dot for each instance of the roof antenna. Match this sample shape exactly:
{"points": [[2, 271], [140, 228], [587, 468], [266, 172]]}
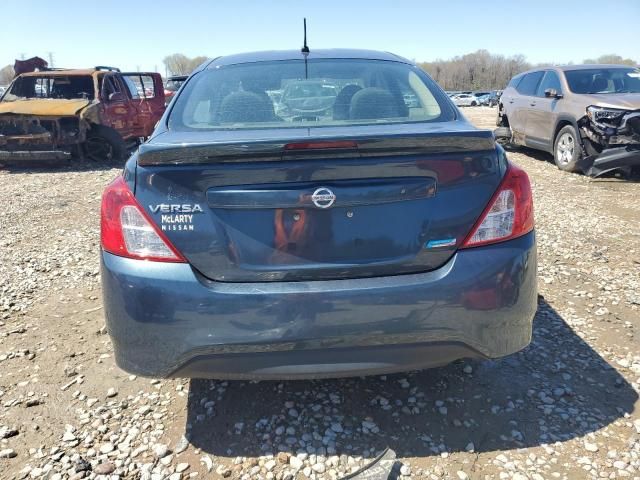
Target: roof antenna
{"points": [[305, 51], [305, 47]]}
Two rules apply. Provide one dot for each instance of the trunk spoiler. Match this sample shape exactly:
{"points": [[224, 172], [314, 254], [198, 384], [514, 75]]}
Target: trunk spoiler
{"points": [[178, 153]]}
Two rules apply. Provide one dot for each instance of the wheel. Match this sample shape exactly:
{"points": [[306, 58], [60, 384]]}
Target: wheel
{"points": [[104, 144], [473, 104], [567, 150]]}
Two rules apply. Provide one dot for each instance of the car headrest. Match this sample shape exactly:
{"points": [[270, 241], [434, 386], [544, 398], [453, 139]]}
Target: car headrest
{"points": [[374, 103], [343, 102], [599, 84], [245, 107]]}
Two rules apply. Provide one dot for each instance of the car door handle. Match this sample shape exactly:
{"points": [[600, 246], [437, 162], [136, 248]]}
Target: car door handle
{"points": [[533, 104], [510, 101]]}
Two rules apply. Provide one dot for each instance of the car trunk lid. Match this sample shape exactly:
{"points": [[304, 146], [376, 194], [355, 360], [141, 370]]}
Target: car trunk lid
{"points": [[327, 204]]}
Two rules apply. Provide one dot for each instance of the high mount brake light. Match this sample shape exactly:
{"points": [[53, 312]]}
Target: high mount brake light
{"points": [[127, 231], [320, 145], [508, 215]]}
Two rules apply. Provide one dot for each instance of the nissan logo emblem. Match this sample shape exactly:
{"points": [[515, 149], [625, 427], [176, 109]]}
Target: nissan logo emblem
{"points": [[323, 197]]}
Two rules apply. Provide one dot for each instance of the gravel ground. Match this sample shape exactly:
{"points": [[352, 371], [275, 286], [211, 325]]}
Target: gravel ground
{"points": [[566, 407]]}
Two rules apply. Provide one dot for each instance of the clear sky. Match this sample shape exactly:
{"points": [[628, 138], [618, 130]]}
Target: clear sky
{"points": [[139, 33]]}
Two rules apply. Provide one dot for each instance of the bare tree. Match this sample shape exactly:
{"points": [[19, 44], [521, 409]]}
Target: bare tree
{"points": [[476, 71], [6, 75], [611, 58], [179, 64], [482, 70]]}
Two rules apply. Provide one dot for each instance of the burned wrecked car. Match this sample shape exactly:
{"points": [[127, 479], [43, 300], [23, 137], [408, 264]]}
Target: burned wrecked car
{"points": [[587, 116], [97, 113]]}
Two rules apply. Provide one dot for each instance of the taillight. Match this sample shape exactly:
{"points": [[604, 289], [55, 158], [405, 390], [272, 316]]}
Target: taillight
{"points": [[508, 215], [127, 231]]}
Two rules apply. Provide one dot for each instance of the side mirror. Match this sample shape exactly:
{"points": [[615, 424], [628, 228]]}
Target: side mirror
{"points": [[116, 97], [552, 93]]}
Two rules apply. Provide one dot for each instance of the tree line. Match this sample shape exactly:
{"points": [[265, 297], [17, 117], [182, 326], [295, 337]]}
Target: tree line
{"points": [[482, 70], [479, 70]]}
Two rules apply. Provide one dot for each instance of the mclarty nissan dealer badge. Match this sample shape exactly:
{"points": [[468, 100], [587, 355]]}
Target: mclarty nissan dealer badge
{"points": [[176, 217]]}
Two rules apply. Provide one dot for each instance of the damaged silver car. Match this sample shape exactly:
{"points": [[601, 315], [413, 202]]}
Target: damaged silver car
{"points": [[587, 116]]}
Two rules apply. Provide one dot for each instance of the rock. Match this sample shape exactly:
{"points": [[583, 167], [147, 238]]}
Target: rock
{"points": [[181, 467], [104, 468], [590, 447], [112, 392], [82, 465], [224, 471], [181, 445], [8, 453], [208, 463], [468, 369], [319, 467], [107, 448], [461, 475], [160, 450], [336, 427], [270, 465], [295, 463], [405, 470], [68, 437], [6, 432]]}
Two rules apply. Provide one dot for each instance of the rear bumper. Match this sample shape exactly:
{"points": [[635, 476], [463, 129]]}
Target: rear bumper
{"points": [[165, 320]]}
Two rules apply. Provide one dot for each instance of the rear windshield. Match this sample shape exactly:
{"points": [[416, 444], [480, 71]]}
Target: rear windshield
{"points": [[54, 86], [604, 80], [325, 93]]}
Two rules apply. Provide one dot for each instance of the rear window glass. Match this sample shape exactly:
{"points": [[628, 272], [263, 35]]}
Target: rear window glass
{"points": [[327, 93], [54, 86], [604, 80]]}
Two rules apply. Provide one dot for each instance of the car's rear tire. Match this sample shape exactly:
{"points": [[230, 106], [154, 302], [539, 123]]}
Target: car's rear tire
{"points": [[104, 144], [473, 104], [567, 149]]}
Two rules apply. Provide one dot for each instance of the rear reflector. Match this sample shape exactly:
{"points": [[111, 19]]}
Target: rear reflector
{"points": [[508, 215], [125, 229]]}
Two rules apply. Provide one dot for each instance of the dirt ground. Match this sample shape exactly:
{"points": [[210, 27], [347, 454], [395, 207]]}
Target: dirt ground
{"points": [[566, 407]]}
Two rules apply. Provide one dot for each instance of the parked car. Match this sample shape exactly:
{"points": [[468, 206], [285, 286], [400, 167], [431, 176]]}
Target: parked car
{"points": [[587, 116], [241, 244], [466, 100], [490, 99], [172, 85], [98, 112]]}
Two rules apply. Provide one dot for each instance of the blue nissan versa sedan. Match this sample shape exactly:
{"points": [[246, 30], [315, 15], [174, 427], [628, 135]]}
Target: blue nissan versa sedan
{"points": [[348, 232]]}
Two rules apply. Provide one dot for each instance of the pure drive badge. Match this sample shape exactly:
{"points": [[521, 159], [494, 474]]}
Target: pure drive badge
{"points": [[176, 217]]}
